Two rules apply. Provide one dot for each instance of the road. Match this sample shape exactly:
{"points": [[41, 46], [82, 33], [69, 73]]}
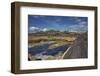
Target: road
{"points": [[78, 49]]}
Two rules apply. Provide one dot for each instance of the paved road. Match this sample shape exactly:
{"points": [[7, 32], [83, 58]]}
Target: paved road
{"points": [[78, 49]]}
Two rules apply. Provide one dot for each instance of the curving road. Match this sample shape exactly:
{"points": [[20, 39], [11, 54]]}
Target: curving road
{"points": [[78, 49]]}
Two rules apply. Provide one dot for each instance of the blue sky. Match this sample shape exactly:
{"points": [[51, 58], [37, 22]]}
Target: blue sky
{"points": [[61, 23]]}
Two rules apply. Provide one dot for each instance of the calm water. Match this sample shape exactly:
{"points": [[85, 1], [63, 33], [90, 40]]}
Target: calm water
{"points": [[44, 49]]}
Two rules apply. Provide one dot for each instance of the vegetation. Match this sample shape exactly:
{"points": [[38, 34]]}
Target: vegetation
{"points": [[56, 37]]}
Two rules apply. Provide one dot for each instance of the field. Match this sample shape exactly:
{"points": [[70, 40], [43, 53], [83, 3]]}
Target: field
{"points": [[49, 45]]}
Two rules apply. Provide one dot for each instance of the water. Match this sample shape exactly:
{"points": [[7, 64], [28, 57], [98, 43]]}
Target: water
{"points": [[44, 49]]}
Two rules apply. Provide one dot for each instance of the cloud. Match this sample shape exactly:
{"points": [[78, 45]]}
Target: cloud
{"points": [[82, 26], [83, 23], [77, 28], [78, 20], [33, 29], [44, 29]]}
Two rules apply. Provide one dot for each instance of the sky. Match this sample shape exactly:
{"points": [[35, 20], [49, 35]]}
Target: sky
{"points": [[60, 23]]}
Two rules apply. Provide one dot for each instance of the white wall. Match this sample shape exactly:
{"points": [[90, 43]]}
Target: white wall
{"points": [[5, 33]]}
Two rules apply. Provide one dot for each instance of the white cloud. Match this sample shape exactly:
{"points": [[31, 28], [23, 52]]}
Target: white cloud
{"points": [[78, 20], [44, 29], [80, 27], [33, 28], [83, 23], [77, 28]]}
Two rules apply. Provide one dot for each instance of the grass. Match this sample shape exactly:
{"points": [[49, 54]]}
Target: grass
{"points": [[52, 38]]}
